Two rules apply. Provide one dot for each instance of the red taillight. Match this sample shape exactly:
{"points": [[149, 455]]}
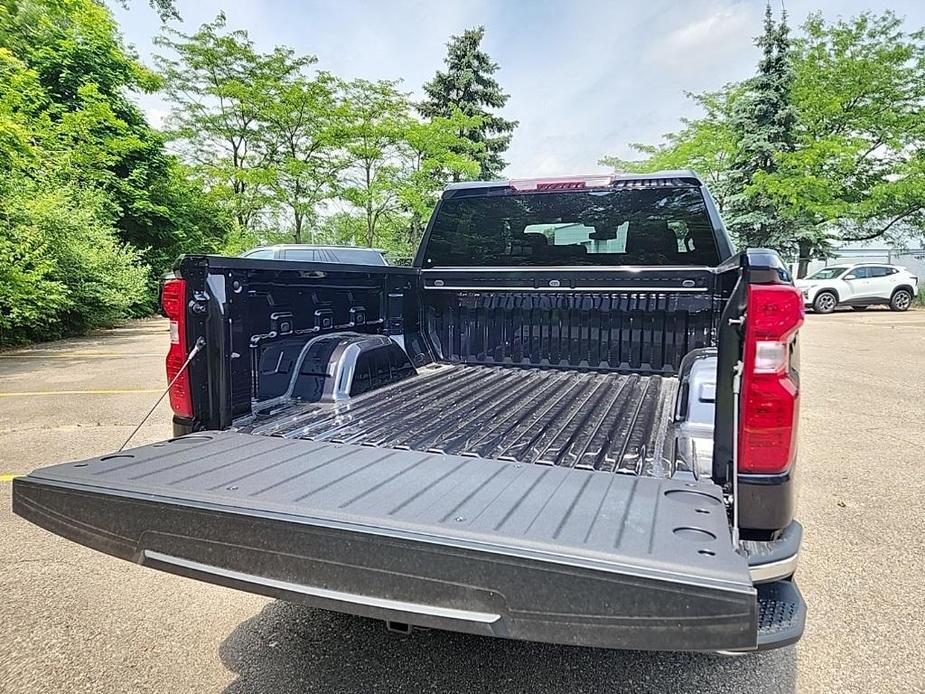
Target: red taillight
{"points": [[561, 185], [564, 183], [173, 301], [770, 396]]}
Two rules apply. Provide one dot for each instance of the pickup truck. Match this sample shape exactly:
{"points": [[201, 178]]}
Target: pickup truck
{"points": [[572, 420]]}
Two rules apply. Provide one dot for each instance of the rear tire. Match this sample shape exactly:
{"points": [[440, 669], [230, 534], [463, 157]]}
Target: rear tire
{"points": [[901, 300], [825, 302], [859, 308]]}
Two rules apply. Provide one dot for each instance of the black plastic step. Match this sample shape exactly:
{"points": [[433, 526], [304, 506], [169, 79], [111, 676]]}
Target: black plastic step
{"points": [[781, 614]]}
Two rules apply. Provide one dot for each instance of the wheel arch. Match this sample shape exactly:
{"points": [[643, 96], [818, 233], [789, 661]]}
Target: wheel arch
{"points": [[907, 287]]}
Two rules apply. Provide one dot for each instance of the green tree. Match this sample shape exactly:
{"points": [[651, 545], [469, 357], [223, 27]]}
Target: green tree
{"points": [[189, 218], [764, 121], [91, 205], [303, 119], [706, 145], [858, 166], [92, 132], [21, 101], [432, 150], [105, 279], [376, 117], [398, 164], [217, 83], [32, 296], [89, 133], [842, 160], [166, 9], [468, 86], [30, 293], [341, 228], [62, 268]]}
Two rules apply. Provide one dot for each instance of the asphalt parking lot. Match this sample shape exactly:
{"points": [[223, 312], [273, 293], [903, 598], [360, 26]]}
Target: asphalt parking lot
{"points": [[75, 620]]}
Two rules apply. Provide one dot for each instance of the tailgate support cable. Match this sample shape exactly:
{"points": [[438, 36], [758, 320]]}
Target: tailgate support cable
{"points": [[200, 343], [736, 390]]}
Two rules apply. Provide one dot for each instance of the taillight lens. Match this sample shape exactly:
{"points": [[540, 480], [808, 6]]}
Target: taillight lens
{"points": [[565, 183], [770, 395], [173, 302]]}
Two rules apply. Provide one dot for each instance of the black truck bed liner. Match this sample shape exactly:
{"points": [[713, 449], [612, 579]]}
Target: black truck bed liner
{"points": [[477, 545], [599, 421]]}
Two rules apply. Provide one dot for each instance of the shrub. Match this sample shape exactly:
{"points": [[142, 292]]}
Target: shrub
{"points": [[62, 269]]}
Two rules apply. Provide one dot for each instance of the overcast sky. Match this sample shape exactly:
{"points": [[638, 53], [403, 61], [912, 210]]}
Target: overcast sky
{"points": [[585, 77]]}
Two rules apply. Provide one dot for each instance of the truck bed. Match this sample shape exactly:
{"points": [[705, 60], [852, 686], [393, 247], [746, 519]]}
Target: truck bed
{"points": [[597, 421], [477, 545]]}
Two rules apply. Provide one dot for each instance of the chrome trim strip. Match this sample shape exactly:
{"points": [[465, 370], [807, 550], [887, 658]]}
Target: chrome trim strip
{"points": [[775, 570], [566, 290], [324, 593]]}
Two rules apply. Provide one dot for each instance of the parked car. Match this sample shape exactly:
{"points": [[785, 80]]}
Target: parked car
{"points": [[859, 286], [572, 420], [351, 255]]}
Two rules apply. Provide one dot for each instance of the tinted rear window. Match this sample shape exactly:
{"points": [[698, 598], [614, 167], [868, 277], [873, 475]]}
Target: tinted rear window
{"points": [[663, 226], [260, 254], [355, 256]]}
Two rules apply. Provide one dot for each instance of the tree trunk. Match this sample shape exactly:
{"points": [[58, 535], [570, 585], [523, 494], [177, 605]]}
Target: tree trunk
{"points": [[416, 230], [806, 248], [297, 231], [370, 218]]}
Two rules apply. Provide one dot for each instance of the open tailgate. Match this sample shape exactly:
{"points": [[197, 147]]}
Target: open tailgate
{"points": [[470, 544]]}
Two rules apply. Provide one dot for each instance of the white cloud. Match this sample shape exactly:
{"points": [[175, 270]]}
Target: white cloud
{"points": [[706, 33], [707, 44]]}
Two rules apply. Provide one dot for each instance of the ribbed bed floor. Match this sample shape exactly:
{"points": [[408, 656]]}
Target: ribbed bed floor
{"points": [[610, 422]]}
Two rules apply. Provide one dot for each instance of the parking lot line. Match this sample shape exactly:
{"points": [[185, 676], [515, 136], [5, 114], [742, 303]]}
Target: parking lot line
{"points": [[8, 477], [121, 391], [80, 355]]}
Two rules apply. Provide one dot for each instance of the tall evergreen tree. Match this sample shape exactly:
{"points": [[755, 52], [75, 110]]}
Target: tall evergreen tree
{"points": [[764, 121], [468, 86]]}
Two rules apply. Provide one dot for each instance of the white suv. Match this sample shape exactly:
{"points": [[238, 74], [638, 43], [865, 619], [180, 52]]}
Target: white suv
{"points": [[858, 286]]}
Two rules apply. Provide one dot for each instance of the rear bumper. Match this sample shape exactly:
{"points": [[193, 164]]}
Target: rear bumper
{"points": [[767, 502], [774, 560]]}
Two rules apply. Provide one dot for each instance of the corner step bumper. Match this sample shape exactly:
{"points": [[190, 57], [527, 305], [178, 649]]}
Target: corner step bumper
{"points": [[781, 614], [777, 559]]}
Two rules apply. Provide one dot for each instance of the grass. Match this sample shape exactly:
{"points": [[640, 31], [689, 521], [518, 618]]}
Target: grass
{"points": [[919, 299]]}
